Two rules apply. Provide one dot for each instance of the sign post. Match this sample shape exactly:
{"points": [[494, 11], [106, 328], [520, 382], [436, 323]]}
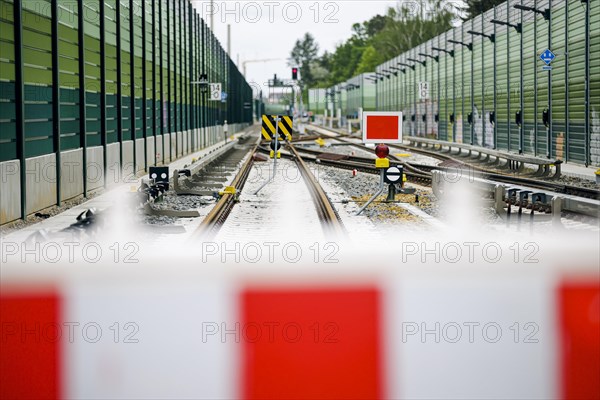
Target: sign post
{"points": [[204, 86], [379, 191], [283, 126], [274, 158], [276, 147], [384, 127]]}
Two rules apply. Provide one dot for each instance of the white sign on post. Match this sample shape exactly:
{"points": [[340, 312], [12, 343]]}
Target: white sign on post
{"points": [[215, 91], [424, 90]]}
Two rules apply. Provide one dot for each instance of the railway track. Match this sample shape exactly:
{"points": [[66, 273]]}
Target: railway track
{"points": [[217, 216], [517, 180], [202, 178], [478, 171], [364, 164], [330, 220], [328, 217]]}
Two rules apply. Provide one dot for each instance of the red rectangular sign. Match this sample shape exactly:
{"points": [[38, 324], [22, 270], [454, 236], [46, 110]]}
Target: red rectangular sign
{"points": [[382, 127]]}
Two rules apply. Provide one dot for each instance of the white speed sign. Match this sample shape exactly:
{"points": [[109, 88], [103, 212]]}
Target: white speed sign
{"points": [[215, 91]]}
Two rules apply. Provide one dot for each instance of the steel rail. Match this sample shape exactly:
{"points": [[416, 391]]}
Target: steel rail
{"points": [[211, 224], [490, 174], [361, 164], [329, 218]]}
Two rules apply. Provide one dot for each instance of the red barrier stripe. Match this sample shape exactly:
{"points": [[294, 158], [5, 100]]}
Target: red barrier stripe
{"points": [[313, 344], [579, 319], [30, 349]]}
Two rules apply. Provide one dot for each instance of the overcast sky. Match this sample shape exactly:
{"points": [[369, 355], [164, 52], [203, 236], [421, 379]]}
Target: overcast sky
{"points": [[269, 29]]}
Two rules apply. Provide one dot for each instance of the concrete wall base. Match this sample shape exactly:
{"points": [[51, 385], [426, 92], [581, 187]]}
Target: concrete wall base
{"points": [[41, 182]]}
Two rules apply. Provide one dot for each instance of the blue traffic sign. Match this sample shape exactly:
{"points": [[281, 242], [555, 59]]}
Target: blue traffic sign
{"points": [[547, 56]]}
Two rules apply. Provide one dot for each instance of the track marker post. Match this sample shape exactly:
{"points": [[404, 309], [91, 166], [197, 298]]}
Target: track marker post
{"points": [[383, 127], [275, 153], [382, 163]]}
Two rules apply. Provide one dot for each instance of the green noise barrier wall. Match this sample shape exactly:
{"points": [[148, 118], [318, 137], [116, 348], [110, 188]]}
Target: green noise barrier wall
{"points": [[101, 82], [486, 84]]}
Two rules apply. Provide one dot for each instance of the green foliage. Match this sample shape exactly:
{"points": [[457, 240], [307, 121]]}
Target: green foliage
{"points": [[304, 54], [373, 41], [369, 60], [475, 7], [344, 60], [409, 28]]}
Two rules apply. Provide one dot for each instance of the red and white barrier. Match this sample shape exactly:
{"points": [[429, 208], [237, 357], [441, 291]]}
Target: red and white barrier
{"points": [[452, 334]]}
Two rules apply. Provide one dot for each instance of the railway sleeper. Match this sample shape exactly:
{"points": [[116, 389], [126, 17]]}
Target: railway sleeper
{"points": [[148, 193], [170, 213], [199, 178], [180, 190]]}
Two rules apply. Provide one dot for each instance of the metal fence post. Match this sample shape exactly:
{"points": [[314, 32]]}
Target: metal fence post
{"points": [[132, 81], [587, 85], [376, 93], [472, 56], [20, 101], [181, 61], [82, 100], [508, 94], [521, 94], [462, 89], [56, 98], [414, 90], [119, 88], [483, 123], [161, 77], [103, 134], [144, 88], [567, 116], [445, 88], [154, 81], [454, 93], [549, 127], [535, 83]]}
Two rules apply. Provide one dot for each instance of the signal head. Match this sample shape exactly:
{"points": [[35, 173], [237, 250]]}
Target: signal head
{"points": [[382, 151]]}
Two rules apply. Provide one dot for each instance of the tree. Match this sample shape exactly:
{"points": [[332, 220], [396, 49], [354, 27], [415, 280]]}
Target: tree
{"points": [[303, 54], [344, 60], [375, 24], [407, 28], [369, 28], [369, 60], [318, 71], [475, 7], [372, 42]]}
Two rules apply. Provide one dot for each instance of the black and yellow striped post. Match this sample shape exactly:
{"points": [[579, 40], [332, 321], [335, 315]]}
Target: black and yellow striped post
{"points": [[271, 124], [284, 129]]}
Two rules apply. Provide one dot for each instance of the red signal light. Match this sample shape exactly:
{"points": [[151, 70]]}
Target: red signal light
{"points": [[295, 73], [382, 151]]}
